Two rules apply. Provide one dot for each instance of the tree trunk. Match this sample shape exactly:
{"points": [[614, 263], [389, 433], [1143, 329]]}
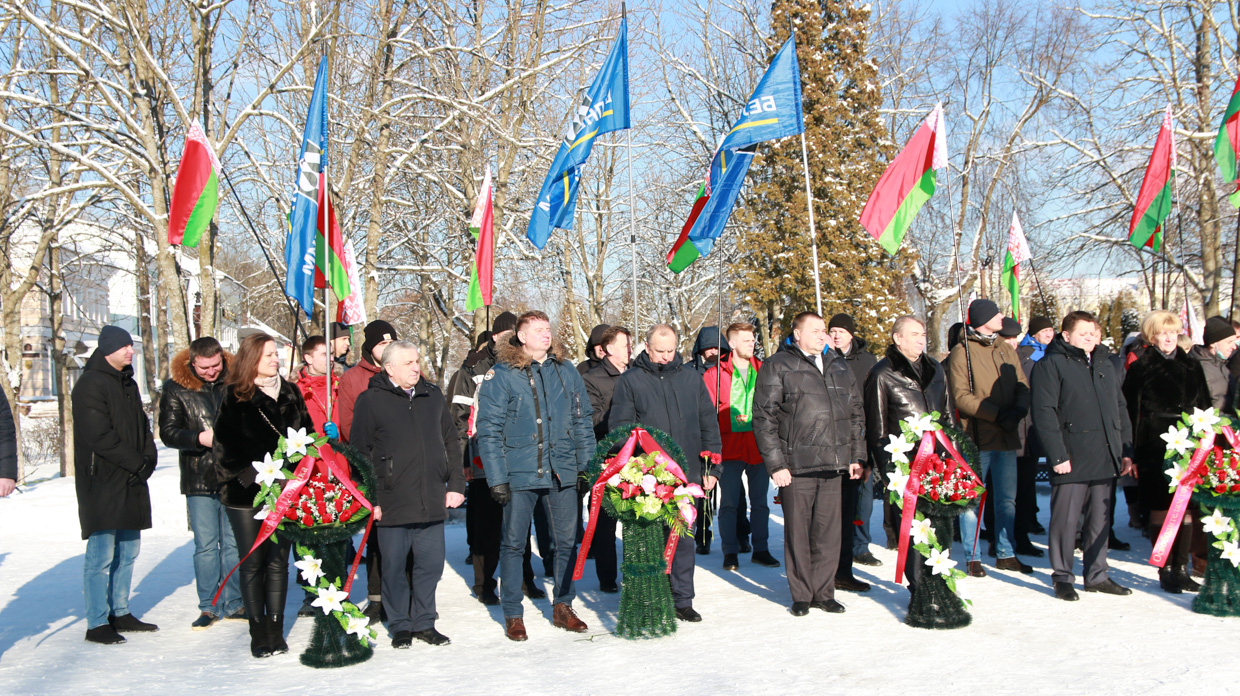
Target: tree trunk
{"points": [[150, 342], [60, 362]]}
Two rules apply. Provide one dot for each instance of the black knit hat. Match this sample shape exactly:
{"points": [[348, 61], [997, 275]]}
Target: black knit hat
{"points": [[982, 311], [1036, 324], [506, 321], [1011, 328], [376, 332], [113, 338], [843, 321], [1217, 329]]}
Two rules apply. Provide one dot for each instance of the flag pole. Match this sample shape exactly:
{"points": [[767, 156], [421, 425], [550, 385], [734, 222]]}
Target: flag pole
{"points": [[327, 333], [1046, 307], [628, 134], [813, 234], [1231, 310]]}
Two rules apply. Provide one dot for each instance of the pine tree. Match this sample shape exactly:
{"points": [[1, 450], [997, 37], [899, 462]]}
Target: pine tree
{"points": [[848, 150]]}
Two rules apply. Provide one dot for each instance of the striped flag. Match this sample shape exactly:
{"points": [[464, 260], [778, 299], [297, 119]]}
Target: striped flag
{"points": [[196, 193], [481, 227], [907, 184], [1017, 253], [1156, 196], [1227, 145]]}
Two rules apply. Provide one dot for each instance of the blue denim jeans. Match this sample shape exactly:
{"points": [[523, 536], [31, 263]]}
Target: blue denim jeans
{"points": [[731, 491], [215, 553], [1002, 468], [562, 513], [107, 570], [865, 509]]}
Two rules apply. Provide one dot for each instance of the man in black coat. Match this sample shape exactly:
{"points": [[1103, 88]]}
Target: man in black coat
{"points": [[113, 456], [857, 496], [188, 406], [8, 448], [601, 385], [594, 350], [661, 392], [1081, 418], [401, 423], [708, 349], [904, 384], [810, 427]]}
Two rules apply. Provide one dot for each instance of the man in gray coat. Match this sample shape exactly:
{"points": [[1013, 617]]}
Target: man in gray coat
{"points": [[1081, 418]]}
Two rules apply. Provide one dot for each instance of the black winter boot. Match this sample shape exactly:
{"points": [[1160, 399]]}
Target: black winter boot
{"points": [[260, 640], [1166, 577], [1181, 556], [275, 625]]}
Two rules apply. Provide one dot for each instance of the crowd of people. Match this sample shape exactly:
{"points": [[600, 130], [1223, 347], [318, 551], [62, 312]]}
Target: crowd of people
{"points": [[513, 436]]}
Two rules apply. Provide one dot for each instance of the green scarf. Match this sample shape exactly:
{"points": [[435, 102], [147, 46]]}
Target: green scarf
{"points": [[742, 399]]}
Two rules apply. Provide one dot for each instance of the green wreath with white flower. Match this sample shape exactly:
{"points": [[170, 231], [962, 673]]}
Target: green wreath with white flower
{"points": [[944, 483], [1217, 475]]}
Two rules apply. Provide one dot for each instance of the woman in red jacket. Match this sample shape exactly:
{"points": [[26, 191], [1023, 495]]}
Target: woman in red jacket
{"points": [[312, 381]]}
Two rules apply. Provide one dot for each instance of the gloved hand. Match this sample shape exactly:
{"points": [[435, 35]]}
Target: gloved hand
{"points": [[331, 430], [1009, 418], [583, 485], [501, 493]]}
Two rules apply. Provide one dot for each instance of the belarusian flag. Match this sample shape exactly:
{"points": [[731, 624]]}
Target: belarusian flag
{"points": [[1017, 253], [1156, 196], [329, 268], [1227, 145], [907, 184], [480, 226], [197, 190], [683, 251], [351, 310]]}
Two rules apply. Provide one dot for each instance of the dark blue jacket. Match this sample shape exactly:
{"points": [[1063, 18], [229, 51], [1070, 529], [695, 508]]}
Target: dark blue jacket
{"points": [[534, 423]]}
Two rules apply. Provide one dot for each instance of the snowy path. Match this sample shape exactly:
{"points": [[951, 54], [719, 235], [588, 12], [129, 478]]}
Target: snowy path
{"points": [[1022, 640]]}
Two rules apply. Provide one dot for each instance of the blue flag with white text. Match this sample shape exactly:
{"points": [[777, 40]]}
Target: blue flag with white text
{"points": [[727, 174], [299, 246], [603, 108], [774, 109]]}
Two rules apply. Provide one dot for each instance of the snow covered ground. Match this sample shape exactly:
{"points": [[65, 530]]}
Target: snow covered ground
{"points": [[1022, 639]]}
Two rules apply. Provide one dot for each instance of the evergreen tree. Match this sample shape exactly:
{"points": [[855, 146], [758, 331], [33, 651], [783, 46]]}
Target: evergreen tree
{"points": [[848, 150]]}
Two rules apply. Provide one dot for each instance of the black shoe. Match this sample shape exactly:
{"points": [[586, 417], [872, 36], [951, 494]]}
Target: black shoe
{"points": [[374, 612], [688, 614], [275, 625], [1014, 563], [239, 615], [867, 559], [703, 549], [1037, 528], [745, 547], [104, 635], [469, 559], [830, 606], [608, 587], [1186, 581], [1065, 591], [1167, 581], [204, 621], [1029, 550], [260, 638], [533, 591], [548, 571], [799, 608], [892, 545], [402, 640], [730, 562], [851, 585], [1117, 544], [432, 637], [128, 623], [1108, 586], [764, 558], [990, 550], [488, 597], [306, 609]]}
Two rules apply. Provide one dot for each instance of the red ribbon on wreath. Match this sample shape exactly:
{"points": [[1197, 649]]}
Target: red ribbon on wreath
{"points": [[925, 452], [328, 460], [647, 442], [1179, 503]]}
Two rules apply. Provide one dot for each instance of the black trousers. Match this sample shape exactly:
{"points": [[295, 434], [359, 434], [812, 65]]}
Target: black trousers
{"points": [[849, 490], [812, 535], [484, 521], [409, 600], [1069, 501], [264, 575], [603, 548], [683, 565], [1026, 498]]}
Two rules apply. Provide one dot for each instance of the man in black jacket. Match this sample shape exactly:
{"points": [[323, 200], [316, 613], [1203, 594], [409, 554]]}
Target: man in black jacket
{"points": [[810, 428], [113, 456], [8, 448], [661, 392], [857, 496], [601, 385], [594, 350], [187, 409], [401, 423], [904, 384], [1081, 418]]}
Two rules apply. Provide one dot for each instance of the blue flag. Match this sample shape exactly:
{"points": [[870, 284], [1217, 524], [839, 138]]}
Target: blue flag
{"points": [[604, 108], [311, 180], [773, 111]]}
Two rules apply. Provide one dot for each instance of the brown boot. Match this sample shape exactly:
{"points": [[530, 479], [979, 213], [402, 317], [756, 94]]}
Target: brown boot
{"points": [[562, 616], [976, 570], [514, 628]]}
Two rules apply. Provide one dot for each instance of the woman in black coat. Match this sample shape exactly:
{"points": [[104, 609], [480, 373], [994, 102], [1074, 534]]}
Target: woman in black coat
{"points": [[259, 407], [1163, 383]]}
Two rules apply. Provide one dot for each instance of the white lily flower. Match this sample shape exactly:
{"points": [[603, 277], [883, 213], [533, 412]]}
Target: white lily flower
{"points": [[1231, 552], [898, 482], [899, 447], [262, 514], [920, 531], [359, 626], [921, 424], [269, 470], [311, 569], [1203, 420], [1177, 474], [1216, 523], [1177, 440], [939, 562], [330, 599], [296, 441]]}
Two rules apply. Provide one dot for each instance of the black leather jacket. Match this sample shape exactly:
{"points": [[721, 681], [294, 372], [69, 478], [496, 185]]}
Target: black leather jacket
{"points": [[895, 391], [806, 421], [187, 407]]}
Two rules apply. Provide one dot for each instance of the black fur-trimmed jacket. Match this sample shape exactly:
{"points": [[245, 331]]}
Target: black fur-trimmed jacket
{"points": [[246, 431], [1157, 390], [187, 407]]}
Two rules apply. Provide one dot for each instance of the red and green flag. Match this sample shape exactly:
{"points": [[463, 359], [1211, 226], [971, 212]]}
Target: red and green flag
{"points": [[329, 266], [1017, 253], [1156, 196], [480, 226], [1227, 145], [196, 193], [907, 184], [683, 251]]}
